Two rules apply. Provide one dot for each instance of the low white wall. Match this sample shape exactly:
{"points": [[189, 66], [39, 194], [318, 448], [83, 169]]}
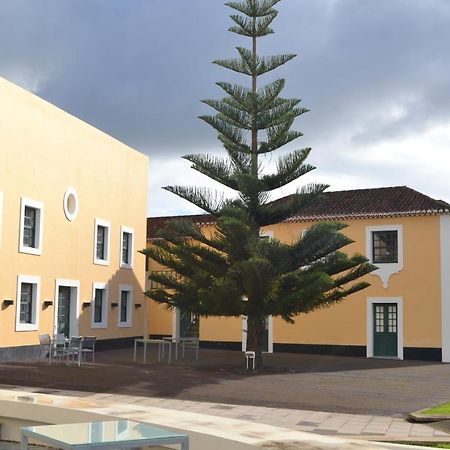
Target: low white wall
{"points": [[16, 414]]}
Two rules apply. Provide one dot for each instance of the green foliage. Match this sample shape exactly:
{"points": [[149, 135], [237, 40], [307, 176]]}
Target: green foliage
{"points": [[233, 272], [278, 279]]}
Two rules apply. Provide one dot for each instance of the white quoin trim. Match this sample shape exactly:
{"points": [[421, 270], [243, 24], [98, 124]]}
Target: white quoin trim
{"points": [[370, 332], [1, 216], [445, 286]]}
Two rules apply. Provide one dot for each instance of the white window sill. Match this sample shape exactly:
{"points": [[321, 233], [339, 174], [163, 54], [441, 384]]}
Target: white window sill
{"points": [[101, 262], [126, 266], [124, 325], [99, 325], [26, 327], [30, 250]]}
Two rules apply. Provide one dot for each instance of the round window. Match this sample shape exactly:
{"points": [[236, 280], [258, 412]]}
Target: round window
{"points": [[71, 204]]}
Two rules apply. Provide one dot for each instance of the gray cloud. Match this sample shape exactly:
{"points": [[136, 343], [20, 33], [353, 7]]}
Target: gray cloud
{"points": [[369, 70]]}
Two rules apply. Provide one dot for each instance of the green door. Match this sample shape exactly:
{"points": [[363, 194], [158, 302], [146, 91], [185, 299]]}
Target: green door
{"points": [[385, 329], [63, 322]]}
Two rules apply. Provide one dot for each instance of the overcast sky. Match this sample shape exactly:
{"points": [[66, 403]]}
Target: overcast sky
{"points": [[374, 73]]}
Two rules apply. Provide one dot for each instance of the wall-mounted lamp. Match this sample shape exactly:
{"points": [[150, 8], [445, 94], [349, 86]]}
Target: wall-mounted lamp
{"points": [[6, 303], [137, 305], [47, 303], [114, 305], [85, 305]]}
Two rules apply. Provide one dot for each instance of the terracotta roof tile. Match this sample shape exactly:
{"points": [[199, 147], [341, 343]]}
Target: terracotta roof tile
{"points": [[154, 224], [377, 202], [355, 204]]}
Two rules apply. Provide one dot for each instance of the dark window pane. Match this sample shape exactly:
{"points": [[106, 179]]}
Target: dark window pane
{"points": [[126, 247], [124, 306], [385, 247], [26, 303], [101, 242], [98, 305], [29, 227]]}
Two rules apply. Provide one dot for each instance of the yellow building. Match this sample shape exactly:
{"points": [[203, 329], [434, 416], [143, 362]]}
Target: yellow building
{"points": [[404, 314], [73, 205]]}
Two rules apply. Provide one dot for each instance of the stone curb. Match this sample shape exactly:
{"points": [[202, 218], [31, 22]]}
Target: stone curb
{"points": [[420, 417]]}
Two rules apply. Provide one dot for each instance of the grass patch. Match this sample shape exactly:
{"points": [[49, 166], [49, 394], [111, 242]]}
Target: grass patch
{"points": [[440, 410], [425, 444]]}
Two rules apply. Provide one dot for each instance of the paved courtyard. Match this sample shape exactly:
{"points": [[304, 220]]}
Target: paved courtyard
{"points": [[352, 426], [291, 381]]}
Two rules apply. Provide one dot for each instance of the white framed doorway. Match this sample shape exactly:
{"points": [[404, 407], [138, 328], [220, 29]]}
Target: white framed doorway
{"points": [[67, 307], [268, 336]]}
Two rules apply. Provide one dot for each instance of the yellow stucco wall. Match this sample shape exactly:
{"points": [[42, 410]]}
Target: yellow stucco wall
{"points": [[418, 284], [43, 152]]}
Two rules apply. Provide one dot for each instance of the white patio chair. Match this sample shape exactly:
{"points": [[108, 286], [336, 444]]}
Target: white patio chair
{"points": [[73, 350], [88, 347], [192, 342], [58, 347], [45, 344]]}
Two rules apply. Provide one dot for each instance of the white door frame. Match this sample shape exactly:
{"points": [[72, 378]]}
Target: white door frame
{"points": [[370, 331], [176, 323], [270, 336], [74, 324]]}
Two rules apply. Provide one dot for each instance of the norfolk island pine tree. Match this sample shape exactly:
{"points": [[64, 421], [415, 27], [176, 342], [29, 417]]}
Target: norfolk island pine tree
{"points": [[233, 272]]}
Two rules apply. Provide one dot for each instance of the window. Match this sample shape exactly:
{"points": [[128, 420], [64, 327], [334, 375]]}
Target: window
{"points": [[101, 246], [101, 241], [384, 247], [29, 227], [31, 224], [125, 305], [171, 273], [71, 204], [26, 303], [100, 305], [126, 247], [27, 309], [266, 235]]}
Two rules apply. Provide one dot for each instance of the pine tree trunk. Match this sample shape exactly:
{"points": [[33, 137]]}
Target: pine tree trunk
{"points": [[255, 332]]}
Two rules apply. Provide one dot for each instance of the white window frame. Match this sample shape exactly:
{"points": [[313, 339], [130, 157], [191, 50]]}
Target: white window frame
{"points": [[385, 270], [244, 322], [39, 206], [70, 215], [1, 216], [370, 334], [35, 280], [130, 231], [107, 225], [74, 305], [105, 305], [128, 288], [263, 234]]}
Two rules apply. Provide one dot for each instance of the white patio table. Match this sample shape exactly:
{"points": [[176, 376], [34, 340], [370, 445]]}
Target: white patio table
{"points": [[160, 342], [102, 435], [191, 342]]}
